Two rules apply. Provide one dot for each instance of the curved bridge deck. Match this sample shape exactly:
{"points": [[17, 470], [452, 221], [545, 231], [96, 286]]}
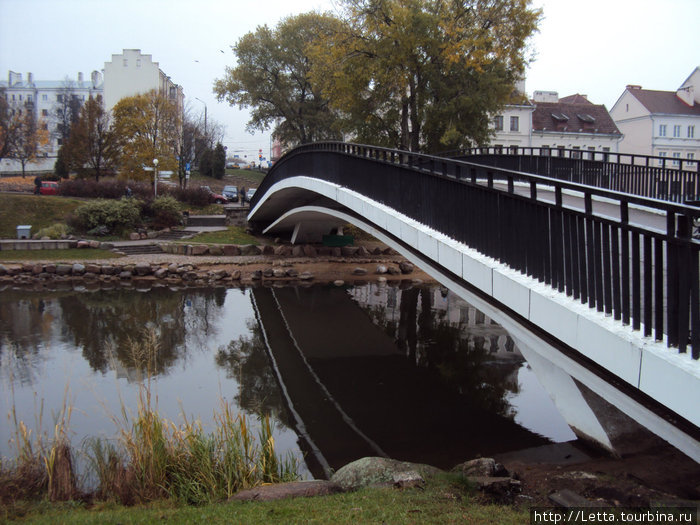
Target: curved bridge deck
{"points": [[612, 278]]}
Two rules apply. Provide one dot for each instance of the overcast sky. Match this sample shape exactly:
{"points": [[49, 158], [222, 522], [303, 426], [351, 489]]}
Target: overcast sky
{"points": [[595, 47]]}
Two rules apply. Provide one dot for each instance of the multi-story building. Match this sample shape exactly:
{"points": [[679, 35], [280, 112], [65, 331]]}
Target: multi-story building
{"points": [[548, 122], [661, 123], [47, 99], [132, 73], [127, 74]]}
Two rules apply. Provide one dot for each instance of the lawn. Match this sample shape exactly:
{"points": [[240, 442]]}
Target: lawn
{"points": [[443, 501], [233, 235], [73, 254], [40, 211]]}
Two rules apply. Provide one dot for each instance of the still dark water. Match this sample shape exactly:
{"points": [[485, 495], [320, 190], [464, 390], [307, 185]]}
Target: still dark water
{"points": [[412, 373]]}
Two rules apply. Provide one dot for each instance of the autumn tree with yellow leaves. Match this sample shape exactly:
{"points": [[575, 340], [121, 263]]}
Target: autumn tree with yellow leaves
{"points": [[419, 75], [423, 75], [23, 135], [146, 127]]}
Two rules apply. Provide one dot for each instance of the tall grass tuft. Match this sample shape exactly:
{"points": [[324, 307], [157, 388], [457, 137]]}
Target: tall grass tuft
{"points": [[152, 458], [157, 458]]}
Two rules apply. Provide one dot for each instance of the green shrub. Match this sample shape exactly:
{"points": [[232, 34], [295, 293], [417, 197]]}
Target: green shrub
{"points": [[165, 212], [116, 215], [55, 231]]}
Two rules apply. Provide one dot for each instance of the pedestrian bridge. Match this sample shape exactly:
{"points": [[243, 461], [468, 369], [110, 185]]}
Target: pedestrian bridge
{"points": [[599, 284]]}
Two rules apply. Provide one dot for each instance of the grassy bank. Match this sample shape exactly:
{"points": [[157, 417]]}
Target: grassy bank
{"points": [[233, 235], [444, 500], [72, 254], [40, 211]]}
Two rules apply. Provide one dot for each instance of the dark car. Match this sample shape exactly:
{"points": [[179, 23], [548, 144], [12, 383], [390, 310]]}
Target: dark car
{"points": [[231, 193]]}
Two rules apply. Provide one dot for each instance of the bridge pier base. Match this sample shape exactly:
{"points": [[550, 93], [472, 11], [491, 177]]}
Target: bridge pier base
{"points": [[312, 231], [592, 418]]}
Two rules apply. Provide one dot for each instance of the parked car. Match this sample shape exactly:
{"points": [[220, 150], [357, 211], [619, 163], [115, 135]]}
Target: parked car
{"points": [[249, 194], [231, 193], [214, 197], [48, 187]]}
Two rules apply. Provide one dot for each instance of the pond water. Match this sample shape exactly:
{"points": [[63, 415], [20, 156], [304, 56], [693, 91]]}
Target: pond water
{"points": [[413, 373]]}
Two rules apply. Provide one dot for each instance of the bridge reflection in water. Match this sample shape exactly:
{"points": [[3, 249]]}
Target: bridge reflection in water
{"points": [[412, 374]]}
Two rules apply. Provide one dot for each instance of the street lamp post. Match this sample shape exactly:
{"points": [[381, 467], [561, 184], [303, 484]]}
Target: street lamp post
{"points": [[205, 117], [155, 178]]}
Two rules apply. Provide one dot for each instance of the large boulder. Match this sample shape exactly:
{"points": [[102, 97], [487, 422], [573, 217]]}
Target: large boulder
{"points": [[293, 489], [378, 471], [482, 467]]}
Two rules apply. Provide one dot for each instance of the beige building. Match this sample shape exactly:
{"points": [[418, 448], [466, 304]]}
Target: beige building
{"points": [[661, 123], [131, 73], [550, 122]]}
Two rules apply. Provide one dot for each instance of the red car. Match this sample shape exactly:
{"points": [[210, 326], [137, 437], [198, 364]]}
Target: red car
{"points": [[215, 197], [48, 187]]}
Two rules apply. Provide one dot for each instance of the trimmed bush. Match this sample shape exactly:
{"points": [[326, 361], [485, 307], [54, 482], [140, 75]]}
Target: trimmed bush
{"points": [[192, 196], [164, 212], [104, 189], [54, 232], [115, 215]]}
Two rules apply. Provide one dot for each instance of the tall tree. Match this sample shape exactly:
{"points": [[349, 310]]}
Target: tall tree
{"points": [[219, 161], [147, 127], [272, 78], [6, 129], [423, 75], [28, 136], [91, 146], [65, 111]]}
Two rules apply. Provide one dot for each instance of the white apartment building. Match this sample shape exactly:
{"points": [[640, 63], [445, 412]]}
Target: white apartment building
{"points": [[661, 123], [131, 73], [127, 74], [45, 98]]}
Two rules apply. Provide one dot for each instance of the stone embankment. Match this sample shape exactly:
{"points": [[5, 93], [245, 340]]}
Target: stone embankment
{"points": [[176, 270]]}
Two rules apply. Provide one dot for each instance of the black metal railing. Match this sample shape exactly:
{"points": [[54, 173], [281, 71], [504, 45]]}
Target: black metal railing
{"points": [[642, 276], [665, 178]]}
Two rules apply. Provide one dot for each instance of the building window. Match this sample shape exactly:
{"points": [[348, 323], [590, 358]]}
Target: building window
{"points": [[126, 62], [138, 62], [662, 130], [29, 98], [576, 154], [561, 150], [662, 160], [515, 123], [591, 154], [45, 98], [676, 155], [59, 98], [545, 150], [606, 151], [676, 131], [44, 112], [691, 156], [691, 132], [498, 123]]}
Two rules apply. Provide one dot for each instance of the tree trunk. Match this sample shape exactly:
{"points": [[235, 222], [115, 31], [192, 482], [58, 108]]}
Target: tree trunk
{"points": [[415, 118]]}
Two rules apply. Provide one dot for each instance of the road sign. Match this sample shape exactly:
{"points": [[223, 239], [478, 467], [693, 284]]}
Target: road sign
{"points": [[148, 168], [165, 174]]}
